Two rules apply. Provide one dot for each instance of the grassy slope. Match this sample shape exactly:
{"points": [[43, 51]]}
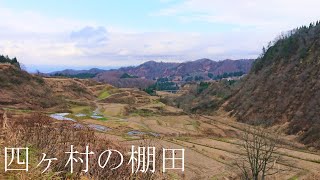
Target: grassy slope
{"points": [[284, 86]]}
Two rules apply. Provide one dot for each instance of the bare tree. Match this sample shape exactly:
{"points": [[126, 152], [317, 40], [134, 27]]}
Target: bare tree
{"points": [[259, 158]]}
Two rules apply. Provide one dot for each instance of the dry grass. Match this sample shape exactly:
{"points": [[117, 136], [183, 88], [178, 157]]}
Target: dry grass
{"points": [[43, 135]]}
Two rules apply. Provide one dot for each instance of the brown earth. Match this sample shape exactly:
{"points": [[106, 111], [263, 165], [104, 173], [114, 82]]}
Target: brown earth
{"points": [[283, 87], [211, 143]]}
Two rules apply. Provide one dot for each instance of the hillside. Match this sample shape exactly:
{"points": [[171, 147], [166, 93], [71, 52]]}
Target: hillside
{"points": [[200, 98], [7, 60], [283, 86], [71, 89], [21, 90], [99, 115]]}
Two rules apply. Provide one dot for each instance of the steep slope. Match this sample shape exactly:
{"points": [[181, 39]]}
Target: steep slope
{"points": [[21, 90], [283, 86]]}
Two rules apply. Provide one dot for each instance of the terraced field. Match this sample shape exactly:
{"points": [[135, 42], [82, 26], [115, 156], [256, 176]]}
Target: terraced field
{"points": [[211, 143]]}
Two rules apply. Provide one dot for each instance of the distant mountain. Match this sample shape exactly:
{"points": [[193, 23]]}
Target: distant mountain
{"points": [[201, 67], [146, 73], [206, 66], [151, 69], [77, 73], [116, 78]]}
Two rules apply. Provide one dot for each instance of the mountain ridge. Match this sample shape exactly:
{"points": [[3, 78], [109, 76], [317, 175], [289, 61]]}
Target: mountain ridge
{"points": [[74, 72], [283, 86], [148, 72], [153, 69]]}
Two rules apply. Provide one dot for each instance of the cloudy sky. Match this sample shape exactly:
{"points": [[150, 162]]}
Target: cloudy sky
{"points": [[57, 34]]}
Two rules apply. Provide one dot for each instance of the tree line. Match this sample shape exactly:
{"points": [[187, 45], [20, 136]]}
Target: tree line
{"points": [[6, 59]]}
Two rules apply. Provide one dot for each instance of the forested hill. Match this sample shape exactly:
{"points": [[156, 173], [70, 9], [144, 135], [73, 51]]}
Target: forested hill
{"points": [[151, 70], [200, 67], [283, 86], [7, 60]]}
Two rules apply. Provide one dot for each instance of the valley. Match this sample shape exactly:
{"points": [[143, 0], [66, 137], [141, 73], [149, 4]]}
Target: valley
{"points": [[233, 122], [128, 116]]}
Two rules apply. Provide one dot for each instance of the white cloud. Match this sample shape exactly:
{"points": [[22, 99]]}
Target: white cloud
{"points": [[36, 39], [28, 21], [266, 14]]}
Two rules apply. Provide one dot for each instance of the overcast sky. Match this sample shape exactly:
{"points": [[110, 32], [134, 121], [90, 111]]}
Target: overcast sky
{"points": [[57, 34]]}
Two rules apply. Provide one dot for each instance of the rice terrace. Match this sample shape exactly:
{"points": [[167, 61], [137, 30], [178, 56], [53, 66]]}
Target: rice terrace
{"points": [[164, 89]]}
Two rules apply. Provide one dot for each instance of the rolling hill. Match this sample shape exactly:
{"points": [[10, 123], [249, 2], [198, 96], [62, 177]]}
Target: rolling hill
{"points": [[19, 89]]}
